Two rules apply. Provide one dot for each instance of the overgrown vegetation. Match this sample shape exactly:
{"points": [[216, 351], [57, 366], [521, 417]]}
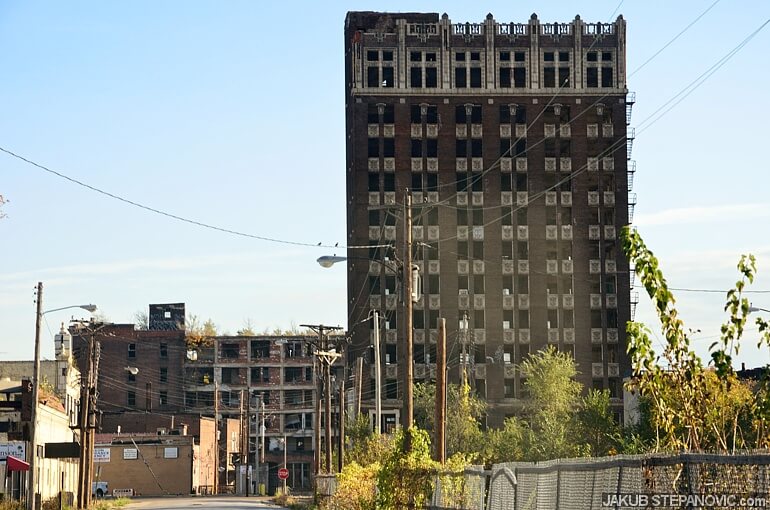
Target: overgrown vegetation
{"points": [[692, 406]]}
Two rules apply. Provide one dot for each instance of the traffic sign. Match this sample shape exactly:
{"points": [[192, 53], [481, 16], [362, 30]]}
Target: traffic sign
{"points": [[283, 473]]}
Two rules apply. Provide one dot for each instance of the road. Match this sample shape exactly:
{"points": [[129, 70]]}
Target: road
{"points": [[182, 502]]}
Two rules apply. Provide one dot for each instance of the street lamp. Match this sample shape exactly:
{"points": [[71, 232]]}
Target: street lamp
{"points": [[756, 309], [31, 487]]}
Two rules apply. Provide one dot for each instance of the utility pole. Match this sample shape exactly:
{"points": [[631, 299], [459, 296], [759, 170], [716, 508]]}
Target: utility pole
{"points": [[216, 432], [244, 423], [87, 418], [32, 457], [341, 435], [326, 358], [441, 392], [377, 375], [317, 431], [464, 340], [359, 383], [407, 412]]}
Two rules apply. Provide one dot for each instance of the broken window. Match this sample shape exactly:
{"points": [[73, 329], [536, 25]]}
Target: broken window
{"points": [[592, 56], [372, 56], [132, 350], [523, 314], [563, 56], [228, 351], [293, 374], [372, 114], [374, 181], [519, 56], [521, 115], [548, 56], [387, 55], [372, 77], [416, 148], [430, 56], [432, 186], [461, 148], [505, 56], [163, 374], [416, 182], [462, 181], [388, 114], [606, 56], [431, 115], [415, 56], [478, 280], [131, 398], [505, 150], [261, 348], [460, 56], [476, 114], [390, 182], [475, 55]]}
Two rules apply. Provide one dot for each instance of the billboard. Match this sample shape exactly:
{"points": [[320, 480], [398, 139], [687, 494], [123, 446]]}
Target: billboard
{"points": [[101, 454]]}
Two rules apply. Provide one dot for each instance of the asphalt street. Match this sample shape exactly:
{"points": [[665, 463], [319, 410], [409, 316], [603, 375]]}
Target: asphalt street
{"points": [[185, 502]]}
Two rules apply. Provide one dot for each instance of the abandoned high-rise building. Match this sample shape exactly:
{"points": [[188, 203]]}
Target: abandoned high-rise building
{"points": [[512, 139]]}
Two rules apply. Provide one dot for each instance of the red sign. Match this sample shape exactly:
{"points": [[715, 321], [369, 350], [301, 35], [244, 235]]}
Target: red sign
{"points": [[283, 473]]}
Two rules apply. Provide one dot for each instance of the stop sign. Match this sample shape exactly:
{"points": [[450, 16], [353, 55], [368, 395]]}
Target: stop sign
{"points": [[283, 473]]}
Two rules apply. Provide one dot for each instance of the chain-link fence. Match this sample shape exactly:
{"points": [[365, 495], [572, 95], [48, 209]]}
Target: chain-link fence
{"points": [[625, 480]]}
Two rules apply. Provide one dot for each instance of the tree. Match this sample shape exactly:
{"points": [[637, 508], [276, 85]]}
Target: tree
{"points": [[551, 405], [141, 320], [463, 421], [247, 330], [197, 334], [693, 407], [598, 428]]}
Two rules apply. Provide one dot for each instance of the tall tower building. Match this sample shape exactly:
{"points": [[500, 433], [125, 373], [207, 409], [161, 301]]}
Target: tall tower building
{"points": [[512, 139]]}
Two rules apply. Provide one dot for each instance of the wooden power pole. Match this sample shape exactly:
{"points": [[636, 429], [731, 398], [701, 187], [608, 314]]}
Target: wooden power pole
{"points": [[441, 392], [407, 411]]}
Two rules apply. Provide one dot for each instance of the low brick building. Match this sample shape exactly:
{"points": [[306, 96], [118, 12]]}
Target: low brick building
{"points": [[151, 464]]}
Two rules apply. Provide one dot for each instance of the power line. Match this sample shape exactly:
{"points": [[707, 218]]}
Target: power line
{"points": [[168, 214]]}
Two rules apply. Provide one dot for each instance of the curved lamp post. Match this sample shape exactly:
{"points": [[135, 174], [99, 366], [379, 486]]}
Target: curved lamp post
{"points": [[32, 480], [757, 309]]}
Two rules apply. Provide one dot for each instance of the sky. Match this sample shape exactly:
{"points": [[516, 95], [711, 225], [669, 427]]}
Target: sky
{"points": [[232, 114]]}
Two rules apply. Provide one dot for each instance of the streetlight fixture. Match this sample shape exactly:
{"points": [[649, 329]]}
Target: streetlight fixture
{"points": [[757, 309], [32, 481]]}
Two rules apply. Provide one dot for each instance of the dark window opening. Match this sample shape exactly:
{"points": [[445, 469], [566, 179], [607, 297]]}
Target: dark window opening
{"points": [[415, 77], [415, 56], [431, 146], [521, 185], [460, 115], [416, 148], [549, 77], [476, 148], [387, 55], [460, 78], [606, 77], [387, 77], [475, 55], [476, 114], [432, 186], [461, 148], [131, 398], [388, 115], [520, 148], [478, 182], [390, 182], [460, 56], [462, 181], [391, 388], [505, 149], [519, 77], [372, 56], [519, 56], [521, 115], [372, 77], [505, 114], [592, 56], [548, 56], [164, 350], [431, 116], [431, 77], [261, 348], [163, 374], [592, 77], [505, 56], [475, 77], [563, 56], [373, 147], [372, 114], [505, 185], [415, 114], [564, 77], [417, 182], [430, 57], [389, 147], [374, 181], [505, 77], [606, 56], [132, 350]]}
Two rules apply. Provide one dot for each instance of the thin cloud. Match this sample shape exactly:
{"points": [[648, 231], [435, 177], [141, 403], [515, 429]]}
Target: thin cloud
{"points": [[709, 214]]}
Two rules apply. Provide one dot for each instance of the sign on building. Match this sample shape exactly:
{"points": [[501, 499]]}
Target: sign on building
{"points": [[130, 453], [13, 448], [170, 453], [102, 455]]}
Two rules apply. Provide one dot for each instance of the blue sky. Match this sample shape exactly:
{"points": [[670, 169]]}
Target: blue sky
{"points": [[231, 113]]}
